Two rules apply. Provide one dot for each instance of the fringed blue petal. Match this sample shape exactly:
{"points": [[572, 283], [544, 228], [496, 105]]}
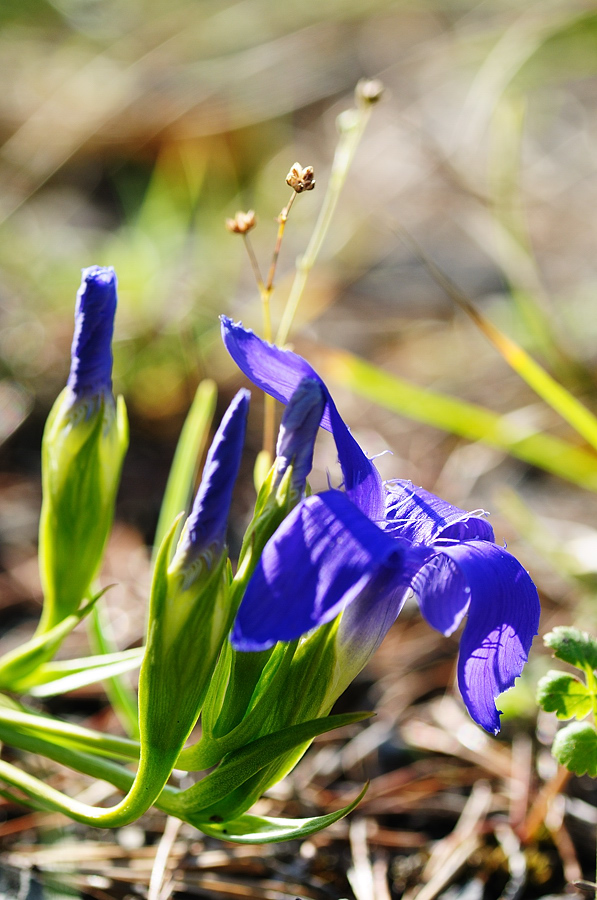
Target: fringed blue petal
{"points": [[423, 518], [503, 618]]}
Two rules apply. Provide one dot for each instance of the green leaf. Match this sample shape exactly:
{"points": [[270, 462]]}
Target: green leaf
{"points": [[67, 734], [19, 667], [123, 699], [262, 830], [475, 423], [241, 765], [575, 747], [58, 678], [564, 694], [572, 646], [187, 457]]}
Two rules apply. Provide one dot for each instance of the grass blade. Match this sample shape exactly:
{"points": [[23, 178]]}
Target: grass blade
{"points": [[475, 423]]}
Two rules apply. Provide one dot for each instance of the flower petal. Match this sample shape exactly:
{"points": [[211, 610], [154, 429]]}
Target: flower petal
{"points": [[503, 618], [421, 517], [91, 352], [442, 593], [279, 372], [321, 558]]}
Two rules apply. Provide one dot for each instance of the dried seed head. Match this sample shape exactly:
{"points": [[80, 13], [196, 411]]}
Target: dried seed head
{"points": [[300, 179], [369, 90], [242, 222]]}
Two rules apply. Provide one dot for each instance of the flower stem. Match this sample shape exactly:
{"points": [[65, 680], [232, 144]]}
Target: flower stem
{"points": [[352, 124], [266, 290], [254, 263], [144, 791]]}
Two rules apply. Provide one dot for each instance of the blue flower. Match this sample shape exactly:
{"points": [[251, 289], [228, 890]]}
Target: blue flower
{"points": [[358, 552], [91, 352]]}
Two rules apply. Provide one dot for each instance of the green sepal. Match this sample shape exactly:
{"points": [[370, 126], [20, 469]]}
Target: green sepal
{"points": [[202, 799], [22, 668], [68, 675], [274, 502], [249, 829], [261, 678], [572, 646], [564, 694], [83, 450], [575, 747], [187, 626]]}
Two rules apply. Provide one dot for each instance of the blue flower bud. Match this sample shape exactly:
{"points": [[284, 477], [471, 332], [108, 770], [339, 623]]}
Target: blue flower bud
{"points": [[85, 439], [298, 430], [189, 611], [205, 530], [91, 352]]}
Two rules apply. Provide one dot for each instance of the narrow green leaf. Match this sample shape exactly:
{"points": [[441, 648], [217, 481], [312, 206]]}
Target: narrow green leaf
{"points": [[249, 829], [58, 678], [185, 465], [475, 423], [122, 699], [575, 747], [564, 694], [43, 727], [18, 668], [243, 764], [572, 646]]}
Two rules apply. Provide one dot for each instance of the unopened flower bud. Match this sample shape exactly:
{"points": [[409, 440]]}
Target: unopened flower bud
{"points": [[369, 90], [84, 443], [189, 615], [300, 179], [205, 530], [298, 430], [242, 222]]}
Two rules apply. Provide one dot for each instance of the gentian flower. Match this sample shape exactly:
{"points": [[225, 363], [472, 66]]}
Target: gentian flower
{"points": [[358, 552], [84, 443]]}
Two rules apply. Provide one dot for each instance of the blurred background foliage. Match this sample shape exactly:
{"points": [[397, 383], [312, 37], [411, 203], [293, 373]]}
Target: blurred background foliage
{"points": [[129, 130]]}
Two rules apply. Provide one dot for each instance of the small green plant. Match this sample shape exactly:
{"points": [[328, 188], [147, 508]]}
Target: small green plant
{"points": [[572, 697]]}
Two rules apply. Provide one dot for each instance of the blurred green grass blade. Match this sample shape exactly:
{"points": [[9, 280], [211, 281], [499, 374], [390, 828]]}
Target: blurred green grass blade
{"points": [[122, 699], [554, 394], [551, 392], [464, 419], [185, 465], [15, 406]]}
